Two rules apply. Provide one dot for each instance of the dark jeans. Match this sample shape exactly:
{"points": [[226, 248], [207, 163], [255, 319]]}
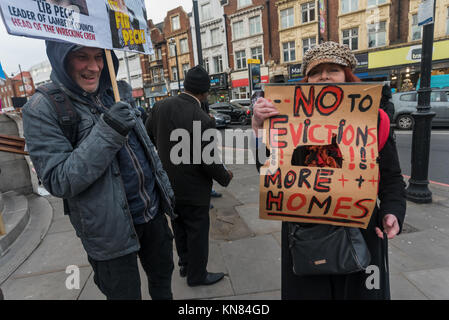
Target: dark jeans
{"points": [[119, 278], [191, 229]]}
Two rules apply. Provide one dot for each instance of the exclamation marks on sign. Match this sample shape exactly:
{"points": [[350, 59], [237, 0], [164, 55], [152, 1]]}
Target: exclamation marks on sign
{"points": [[362, 164], [351, 153], [281, 160], [373, 157]]}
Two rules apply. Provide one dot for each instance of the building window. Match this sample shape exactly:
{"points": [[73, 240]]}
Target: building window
{"points": [[256, 53], [240, 59], [185, 68], [416, 30], [175, 23], [288, 48], [218, 64], [161, 72], [242, 93], [375, 3], [308, 12], [183, 45], [215, 36], [349, 5], [351, 38], [377, 34], [174, 74], [308, 44], [237, 28], [206, 64], [255, 26], [205, 11], [287, 18], [244, 3]]}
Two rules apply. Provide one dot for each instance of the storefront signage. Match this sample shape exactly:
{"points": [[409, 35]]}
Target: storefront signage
{"points": [[362, 60], [219, 81]]}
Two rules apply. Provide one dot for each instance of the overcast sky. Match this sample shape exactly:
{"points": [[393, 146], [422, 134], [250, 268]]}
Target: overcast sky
{"points": [[27, 52]]}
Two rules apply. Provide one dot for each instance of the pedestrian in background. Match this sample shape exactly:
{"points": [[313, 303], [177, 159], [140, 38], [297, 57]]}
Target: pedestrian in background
{"points": [[330, 62], [191, 182]]}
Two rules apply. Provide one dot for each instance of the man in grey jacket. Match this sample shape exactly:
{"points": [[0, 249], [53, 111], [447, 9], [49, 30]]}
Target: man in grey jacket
{"points": [[112, 181]]}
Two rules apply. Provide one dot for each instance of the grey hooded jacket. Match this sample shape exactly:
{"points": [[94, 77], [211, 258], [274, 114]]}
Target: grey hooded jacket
{"points": [[88, 175]]}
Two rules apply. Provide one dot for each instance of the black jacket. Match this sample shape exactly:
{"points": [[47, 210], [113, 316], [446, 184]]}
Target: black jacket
{"points": [[191, 181]]}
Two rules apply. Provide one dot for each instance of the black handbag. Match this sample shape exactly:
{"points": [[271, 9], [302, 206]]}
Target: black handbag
{"points": [[320, 249]]}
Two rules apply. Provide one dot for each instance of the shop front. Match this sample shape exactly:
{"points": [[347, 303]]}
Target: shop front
{"points": [[138, 95], [402, 65]]}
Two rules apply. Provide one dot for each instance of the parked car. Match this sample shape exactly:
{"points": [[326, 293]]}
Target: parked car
{"points": [[221, 120], [237, 112], [405, 103]]}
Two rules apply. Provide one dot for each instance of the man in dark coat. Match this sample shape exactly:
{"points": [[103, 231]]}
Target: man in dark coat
{"points": [[192, 177]]}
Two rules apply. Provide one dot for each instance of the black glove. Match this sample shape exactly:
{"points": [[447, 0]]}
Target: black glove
{"points": [[120, 118]]}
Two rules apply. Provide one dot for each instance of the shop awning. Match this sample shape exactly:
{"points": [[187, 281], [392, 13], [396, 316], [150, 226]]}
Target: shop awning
{"points": [[155, 91]]}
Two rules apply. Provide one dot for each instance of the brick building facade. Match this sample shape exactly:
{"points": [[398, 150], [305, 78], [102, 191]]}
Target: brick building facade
{"points": [[178, 34]]}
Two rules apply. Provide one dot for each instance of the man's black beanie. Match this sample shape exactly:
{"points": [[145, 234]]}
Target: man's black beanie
{"points": [[197, 80]]}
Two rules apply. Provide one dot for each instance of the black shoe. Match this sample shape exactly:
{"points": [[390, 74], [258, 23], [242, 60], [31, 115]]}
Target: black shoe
{"points": [[211, 206], [183, 271], [215, 194], [211, 278]]}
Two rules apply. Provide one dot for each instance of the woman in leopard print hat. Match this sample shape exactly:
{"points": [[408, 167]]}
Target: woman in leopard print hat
{"points": [[332, 63]]}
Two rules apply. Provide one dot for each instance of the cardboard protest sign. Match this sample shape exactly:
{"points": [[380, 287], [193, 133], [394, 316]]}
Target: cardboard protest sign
{"points": [[107, 24], [342, 117]]}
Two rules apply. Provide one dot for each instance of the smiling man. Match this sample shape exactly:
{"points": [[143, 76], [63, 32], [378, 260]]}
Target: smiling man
{"points": [[97, 156]]}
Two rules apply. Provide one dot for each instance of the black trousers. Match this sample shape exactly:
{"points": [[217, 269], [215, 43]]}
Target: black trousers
{"points": [[119, 278], [191, 229]]}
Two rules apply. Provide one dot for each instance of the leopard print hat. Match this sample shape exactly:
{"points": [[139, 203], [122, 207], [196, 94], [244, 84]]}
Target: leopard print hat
{"points": [[328, 52]]}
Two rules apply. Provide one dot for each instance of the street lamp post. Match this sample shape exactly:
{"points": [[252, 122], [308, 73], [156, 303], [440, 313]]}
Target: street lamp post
{"points": [[173, 42], [418, 190]]}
